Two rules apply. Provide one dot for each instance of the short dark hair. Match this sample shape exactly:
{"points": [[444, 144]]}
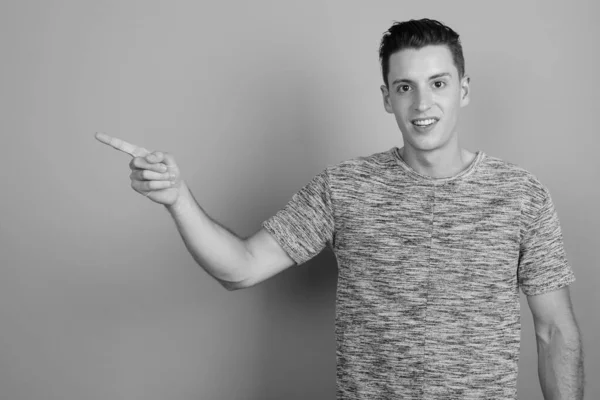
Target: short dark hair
{"points": [[415, 34]]}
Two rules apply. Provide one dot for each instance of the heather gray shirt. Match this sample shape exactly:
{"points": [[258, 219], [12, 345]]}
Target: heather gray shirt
{"points": [[429, 271]]}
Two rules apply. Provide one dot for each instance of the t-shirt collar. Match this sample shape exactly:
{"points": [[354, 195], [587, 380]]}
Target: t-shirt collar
{"points": [[479, 156]]}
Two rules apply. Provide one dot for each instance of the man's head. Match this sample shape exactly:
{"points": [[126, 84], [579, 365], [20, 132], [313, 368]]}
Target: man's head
{"points": [[424, 74], [416, 34]]}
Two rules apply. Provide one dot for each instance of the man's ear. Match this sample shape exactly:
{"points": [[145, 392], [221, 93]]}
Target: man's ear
{"points": [[386, 99], [465, 90]]}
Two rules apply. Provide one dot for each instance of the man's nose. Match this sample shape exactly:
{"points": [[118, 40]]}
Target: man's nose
{"points": [[423, 100]]}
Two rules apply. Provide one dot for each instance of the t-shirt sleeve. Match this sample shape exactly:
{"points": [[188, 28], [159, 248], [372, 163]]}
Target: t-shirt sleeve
{"points": [[543, 264], [306, 224]]}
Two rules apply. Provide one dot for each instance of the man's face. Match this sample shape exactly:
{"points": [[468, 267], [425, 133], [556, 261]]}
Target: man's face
{"points": [[425, 94]]}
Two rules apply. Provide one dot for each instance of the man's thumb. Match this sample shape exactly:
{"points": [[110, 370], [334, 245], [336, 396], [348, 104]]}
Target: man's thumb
{"points": [[154, 157], [159, 156], [168, 159]]}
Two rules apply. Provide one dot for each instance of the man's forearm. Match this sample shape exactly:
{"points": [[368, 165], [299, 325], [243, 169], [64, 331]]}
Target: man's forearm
{"points": [[216, 249], [560, 366]]}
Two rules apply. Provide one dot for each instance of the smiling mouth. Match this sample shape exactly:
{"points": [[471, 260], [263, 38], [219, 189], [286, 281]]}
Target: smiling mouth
{"points": [[424, 122]]}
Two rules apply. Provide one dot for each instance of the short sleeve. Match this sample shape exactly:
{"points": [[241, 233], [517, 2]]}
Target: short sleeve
{"points": [[306, 224], [543, 264]]}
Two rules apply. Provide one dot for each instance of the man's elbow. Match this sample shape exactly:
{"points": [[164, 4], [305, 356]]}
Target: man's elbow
{"points": [[231, 286], [568, 333]]}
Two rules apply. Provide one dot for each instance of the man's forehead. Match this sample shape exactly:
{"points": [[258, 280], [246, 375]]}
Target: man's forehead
{"points": [[421, 63]]}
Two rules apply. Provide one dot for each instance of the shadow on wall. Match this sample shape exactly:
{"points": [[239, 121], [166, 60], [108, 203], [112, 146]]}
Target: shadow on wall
{"points": [[297, 338]]}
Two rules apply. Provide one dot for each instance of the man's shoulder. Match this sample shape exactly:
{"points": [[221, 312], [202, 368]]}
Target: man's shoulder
{"points": [[373, 161], [361, 173], [510, 170], [524, 182]]}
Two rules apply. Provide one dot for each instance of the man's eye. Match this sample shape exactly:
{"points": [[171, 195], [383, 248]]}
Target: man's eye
{"points": [[403, 88], [439, 84]]}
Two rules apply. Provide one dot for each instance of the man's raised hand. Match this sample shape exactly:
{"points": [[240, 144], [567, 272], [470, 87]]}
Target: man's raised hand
{"points": [[153, 174]]}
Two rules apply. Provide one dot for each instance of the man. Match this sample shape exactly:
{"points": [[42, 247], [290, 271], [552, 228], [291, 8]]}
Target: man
{"points": [[432, 243]]}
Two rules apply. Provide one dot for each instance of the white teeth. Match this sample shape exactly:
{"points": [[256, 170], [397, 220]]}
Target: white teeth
{"points": [[424, 122]]}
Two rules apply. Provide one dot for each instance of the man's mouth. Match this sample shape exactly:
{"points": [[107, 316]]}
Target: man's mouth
{"points": [[424, 122]]}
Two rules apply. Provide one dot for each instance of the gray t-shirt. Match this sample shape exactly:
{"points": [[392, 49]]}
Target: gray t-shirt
{"points": [[429, 271]]}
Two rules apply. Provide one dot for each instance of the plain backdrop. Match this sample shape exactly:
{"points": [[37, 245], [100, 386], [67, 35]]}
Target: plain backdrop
{"points": [[99, 298]]}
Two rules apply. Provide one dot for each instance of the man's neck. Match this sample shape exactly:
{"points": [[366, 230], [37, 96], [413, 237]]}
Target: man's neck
{"points": [[438, 164]]}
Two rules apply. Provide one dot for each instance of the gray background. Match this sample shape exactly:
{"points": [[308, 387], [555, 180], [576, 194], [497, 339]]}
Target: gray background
{"points": [[99, 298]]}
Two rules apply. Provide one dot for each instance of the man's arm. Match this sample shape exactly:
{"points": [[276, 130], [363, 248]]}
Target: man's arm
{"points": [[560, 352], [215, 248], [234, 262]]}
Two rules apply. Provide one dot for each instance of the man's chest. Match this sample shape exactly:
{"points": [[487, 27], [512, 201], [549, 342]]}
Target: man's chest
{"points": [[430, 243]]}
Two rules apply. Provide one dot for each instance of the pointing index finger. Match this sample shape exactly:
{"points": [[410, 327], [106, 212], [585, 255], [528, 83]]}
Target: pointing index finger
{"points": [[122, 145]]}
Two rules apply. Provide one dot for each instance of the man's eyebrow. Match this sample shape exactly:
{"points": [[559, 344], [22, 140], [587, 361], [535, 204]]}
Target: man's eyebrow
{"points": [[440, 75]]}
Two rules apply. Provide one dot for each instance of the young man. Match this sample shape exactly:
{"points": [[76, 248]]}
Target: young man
{"points": [[432, 243]]}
